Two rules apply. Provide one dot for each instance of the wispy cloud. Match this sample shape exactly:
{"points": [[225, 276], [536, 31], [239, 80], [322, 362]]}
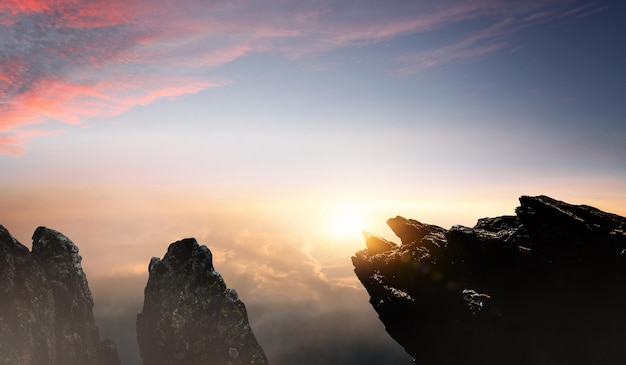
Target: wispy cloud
{"points": [[14, 144], [70, 60], [538, 16], [502, 24], [587, 9], [473, 46]]}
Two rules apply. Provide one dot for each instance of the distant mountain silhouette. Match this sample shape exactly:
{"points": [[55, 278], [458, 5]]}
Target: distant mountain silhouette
{"points": [[547, 286]]}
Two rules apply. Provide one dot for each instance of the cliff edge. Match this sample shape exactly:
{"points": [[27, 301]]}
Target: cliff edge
{"points": [[546, 286]]}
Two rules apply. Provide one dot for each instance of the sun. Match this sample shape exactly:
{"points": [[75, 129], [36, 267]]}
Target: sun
{"points": [[345, 222]]}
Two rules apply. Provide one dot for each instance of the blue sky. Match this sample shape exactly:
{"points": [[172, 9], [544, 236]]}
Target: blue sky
{"points": [[262, 127]]}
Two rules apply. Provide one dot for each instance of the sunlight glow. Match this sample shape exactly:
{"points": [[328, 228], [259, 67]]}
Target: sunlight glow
{"points": [[345, 221]]}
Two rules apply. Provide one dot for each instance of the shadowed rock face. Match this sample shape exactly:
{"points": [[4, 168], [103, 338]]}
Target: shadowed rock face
{"points": [[547, 286], [45, 304], [27, 317], [190, 316]]}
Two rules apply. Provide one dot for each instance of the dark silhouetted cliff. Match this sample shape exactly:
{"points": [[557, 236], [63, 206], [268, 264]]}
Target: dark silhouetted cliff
{"points": [[547, 286], [46, 307], [189, 316]]}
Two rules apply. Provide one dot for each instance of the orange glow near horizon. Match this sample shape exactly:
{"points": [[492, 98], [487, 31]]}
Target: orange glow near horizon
{"points": [[246, 231]]}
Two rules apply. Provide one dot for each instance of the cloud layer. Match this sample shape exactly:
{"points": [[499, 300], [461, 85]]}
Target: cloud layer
{"points": [[71, 60]]}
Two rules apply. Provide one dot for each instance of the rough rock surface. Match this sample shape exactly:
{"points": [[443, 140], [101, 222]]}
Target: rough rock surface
{"points": [[45, 304], [27, 331], [547, 286], [189, 316]]}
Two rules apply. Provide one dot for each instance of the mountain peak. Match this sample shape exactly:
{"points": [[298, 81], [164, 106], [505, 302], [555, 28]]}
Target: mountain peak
{"points": [[190, 316], [46, 316]]}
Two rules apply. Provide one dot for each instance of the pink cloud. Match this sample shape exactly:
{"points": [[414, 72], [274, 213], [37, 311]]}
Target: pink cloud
{"points": [[13, 144], [79, 13], [71, 60], [71, 102]]}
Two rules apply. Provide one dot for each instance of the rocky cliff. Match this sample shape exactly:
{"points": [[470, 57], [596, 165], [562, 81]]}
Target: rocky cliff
{"points": [[546, 286], [46, 307], [189, 316]]}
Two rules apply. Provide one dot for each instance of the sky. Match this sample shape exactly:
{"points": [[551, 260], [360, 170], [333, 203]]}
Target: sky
{"points": [[274, 132]]}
